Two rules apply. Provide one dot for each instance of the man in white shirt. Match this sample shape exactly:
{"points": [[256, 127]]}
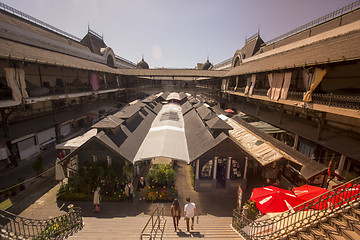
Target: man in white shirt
{"points": [[189, 212]]}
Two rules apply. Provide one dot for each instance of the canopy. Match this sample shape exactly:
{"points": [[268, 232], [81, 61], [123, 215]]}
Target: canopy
{"points": [[166, 137]]}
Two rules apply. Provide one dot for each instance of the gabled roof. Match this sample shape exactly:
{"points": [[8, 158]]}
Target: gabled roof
{"points": [[199, 139], [186, 107], [134, 140], [102, 139], [127, 112], [218, 124], [78, 141], [108, 122], [205, 113]]}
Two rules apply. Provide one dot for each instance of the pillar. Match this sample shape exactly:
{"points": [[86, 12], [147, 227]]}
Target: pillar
{"points": [[215, 168], [246, 165], [340, 168], [197, 169], [228, 167], [296, 142]]}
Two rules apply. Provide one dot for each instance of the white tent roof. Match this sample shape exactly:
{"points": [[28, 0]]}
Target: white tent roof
{"points": [[166, 137]]}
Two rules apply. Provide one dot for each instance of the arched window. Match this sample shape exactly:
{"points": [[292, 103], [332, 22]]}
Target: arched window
{"points": [[207, 170], [110, 61], [237, 61]]}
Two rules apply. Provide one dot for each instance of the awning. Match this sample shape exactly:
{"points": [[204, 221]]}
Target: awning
{"points": [[266, 128], [74, 143], [258, 148], [166, 137]]}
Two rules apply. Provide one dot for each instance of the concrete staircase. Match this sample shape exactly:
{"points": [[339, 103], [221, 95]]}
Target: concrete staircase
{"points": [[340, 226], [131, 227]]}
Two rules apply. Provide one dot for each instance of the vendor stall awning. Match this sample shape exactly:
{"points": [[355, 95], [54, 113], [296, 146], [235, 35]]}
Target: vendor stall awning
{"points": [[262, 151], [266, 128]]}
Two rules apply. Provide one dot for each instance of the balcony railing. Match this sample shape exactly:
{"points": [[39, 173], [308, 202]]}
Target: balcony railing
{"points": [[303, 215], [329, 99], [37, 21], [322, 19], [16, 227]]}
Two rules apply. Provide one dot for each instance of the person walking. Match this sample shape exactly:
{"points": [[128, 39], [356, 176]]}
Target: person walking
{"points": [[141, 188], [176, 213], [97, 199], [189, 212], [129, 190]]}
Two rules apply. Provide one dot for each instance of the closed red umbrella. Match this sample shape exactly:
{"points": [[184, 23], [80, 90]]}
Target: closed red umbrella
{"points": [[272, 199]]}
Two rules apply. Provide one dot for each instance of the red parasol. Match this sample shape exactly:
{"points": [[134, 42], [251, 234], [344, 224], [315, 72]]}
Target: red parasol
{"points": [[308, 192], [229, 110], [349, 191], [272, 199]]}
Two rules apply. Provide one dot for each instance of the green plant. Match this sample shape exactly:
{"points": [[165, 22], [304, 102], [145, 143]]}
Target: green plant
{"points": [[192, 177], [161, 175], [252, 211], [111, 180]]}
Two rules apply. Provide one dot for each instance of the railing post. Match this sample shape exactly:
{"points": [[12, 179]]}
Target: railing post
{"points": [[329, 104]]}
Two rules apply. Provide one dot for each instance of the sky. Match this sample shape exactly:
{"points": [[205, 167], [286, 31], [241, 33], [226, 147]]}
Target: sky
{"points": [[177, 33]]}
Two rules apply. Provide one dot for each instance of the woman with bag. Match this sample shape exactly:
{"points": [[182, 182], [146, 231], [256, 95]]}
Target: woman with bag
{"points": [[129, 191], [176, 213], [97, 199]]}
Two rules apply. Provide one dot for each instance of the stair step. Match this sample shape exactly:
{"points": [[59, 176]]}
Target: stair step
{"points": [[317, 233], [356, 228], [336, 237], [355, 212], [328, 228], [351, 235], [337, 223], [304, 236], [350, 219]]}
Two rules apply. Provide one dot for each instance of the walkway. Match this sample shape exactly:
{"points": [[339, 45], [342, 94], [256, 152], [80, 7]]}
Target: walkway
{"points": [[123, 220]]}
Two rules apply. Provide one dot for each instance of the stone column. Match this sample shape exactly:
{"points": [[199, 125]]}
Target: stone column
{"points": [[197, 169], [341, 164], [228, 167], [296, 142], [215, 168], [246, 165]]}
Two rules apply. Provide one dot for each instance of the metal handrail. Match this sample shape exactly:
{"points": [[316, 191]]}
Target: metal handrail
{"points": [[322, 19], [303, 215], [159, 212], [125, 60], [16, 227], [252, 37], [223, 63], [37, 21]]}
